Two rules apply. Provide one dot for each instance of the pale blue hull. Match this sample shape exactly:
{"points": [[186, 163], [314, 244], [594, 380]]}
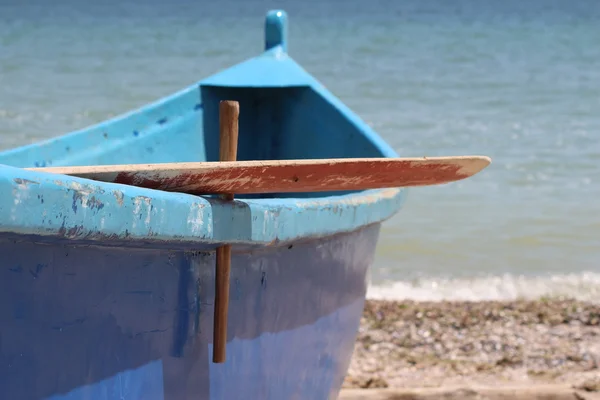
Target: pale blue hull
{"points": [[107, 290]]}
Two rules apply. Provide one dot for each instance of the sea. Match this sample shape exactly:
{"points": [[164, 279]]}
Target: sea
{"points": [[517, 80]]}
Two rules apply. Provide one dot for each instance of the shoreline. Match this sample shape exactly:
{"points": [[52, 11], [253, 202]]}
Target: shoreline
{"points": [[412, 345]]}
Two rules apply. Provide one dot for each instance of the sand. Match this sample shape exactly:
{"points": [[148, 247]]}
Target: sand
{"points": [[449, 346]]}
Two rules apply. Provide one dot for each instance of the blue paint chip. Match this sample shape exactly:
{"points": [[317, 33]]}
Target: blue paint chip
{"points": [[263, 280], [74, 204], [40, 164], [18, 268], [198, 107], [136, 133], [38, 268], [162, 121]]}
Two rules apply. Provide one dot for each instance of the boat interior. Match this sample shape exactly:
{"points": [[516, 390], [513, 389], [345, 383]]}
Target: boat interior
{"points": [[274, 123]]}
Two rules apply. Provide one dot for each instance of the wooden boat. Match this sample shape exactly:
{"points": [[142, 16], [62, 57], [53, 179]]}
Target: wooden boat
{"points": [[108, 289]]}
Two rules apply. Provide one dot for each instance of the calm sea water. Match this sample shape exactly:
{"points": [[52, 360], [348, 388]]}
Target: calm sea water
{"points": [[516, 80]]}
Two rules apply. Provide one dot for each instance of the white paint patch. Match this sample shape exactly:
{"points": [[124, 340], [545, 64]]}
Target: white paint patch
{"points": [[137, 204], [148, 203], [83, 193], [265, 221], [20, 194], [142, 205], [195, 219]]}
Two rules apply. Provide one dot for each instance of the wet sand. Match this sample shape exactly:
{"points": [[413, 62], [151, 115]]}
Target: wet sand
{"points": [[490, 345]]}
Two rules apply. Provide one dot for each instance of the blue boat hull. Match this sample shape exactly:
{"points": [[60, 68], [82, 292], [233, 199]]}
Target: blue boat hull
{"points": [[90, 322]]}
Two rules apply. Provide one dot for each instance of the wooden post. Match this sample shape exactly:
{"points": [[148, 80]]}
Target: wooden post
{"points": [[229, 112]]}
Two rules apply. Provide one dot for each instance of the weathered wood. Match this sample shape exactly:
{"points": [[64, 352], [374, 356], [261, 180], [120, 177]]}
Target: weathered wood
{"points": [[228, 133], [229, 112], [280, 176]]}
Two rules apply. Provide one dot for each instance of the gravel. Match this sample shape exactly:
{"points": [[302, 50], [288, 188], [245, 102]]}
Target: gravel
{"points": [[430, 344]]}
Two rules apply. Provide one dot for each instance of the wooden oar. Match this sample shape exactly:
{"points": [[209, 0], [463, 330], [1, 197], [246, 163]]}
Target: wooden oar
{"points": [[279, 176], [229, 112]]}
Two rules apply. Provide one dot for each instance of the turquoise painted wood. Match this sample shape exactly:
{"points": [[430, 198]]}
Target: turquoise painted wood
{"points": [[107, 290]]}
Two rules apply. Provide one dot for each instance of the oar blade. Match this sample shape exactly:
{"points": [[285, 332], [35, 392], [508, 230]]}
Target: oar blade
{"points": [[284, 176]]}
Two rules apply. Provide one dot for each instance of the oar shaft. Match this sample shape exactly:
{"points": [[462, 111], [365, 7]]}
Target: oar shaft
{"points": [[228, 134]]}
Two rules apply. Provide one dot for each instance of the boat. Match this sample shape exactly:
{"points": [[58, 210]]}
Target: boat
{"points": [[108, 289]]}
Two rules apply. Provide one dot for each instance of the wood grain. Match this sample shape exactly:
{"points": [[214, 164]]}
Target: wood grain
{"points": [[229, 112], [228, 135], [281, 176]]}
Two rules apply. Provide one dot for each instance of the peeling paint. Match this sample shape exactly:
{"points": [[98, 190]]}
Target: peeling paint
{"points": [[118, 196], [23, 183], [94, 203], [140, 202], [77, 196], [195, 219], [20, 194], [263, 280], [71, 232], [265, 220]]}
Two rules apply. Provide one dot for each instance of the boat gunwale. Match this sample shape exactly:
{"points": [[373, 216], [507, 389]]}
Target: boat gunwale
{"points": [[65, 207]]}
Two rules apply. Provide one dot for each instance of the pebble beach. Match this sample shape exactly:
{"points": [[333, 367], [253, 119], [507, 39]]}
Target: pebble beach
{"points": [[409, 344]]}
